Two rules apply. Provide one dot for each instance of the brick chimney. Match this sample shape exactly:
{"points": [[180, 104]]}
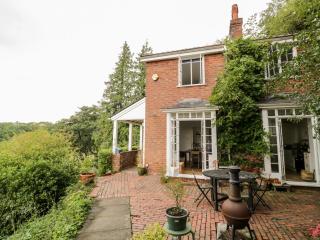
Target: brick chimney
{"points": [[235, 30]]}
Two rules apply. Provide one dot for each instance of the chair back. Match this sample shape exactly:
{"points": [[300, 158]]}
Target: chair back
{"points": [[196, 180], [264, 183], [196, 152]]}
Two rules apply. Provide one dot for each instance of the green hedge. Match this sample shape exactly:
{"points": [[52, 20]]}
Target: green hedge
{"points": [[29, 190], [62, 222], [35, 170], [104, 161]]}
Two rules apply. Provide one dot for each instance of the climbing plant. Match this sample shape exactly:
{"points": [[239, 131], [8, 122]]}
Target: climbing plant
{"points": [[241, 138], [301, 19]]}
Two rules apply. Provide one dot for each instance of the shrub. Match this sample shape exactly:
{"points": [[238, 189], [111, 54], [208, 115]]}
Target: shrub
{"points": [[39, 145], [163, 178], [176, 191], [88, 164], [104, 161], [35, 170], [152, 232], [62, 222]]}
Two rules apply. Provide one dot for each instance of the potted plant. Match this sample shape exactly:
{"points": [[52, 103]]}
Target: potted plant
{"points": [[87, 170], [251, 163], [176, 216], [163, 179], [141, 170]]}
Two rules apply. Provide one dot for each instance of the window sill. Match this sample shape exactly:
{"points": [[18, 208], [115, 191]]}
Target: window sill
{"points": [[192, 85]]}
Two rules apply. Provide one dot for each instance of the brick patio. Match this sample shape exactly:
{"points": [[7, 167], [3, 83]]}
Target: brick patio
{"points": [[291, 216]]}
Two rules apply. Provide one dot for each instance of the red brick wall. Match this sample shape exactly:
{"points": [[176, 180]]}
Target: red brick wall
{"points": [[235, 30], [164, 93], [124, 160]]}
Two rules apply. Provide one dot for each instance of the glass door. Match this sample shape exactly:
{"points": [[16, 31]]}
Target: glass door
{"points": [[206, 136], [281, 151], [175, 136]]}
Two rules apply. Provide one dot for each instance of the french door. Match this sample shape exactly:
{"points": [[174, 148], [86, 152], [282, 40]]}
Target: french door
{"points": [[207, 144], [281, 150], [175, 142]]}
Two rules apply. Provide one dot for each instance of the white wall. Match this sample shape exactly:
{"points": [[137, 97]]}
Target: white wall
{"points": [[187, 133]]}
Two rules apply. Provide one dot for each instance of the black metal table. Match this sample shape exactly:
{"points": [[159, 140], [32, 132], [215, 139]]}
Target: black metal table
{"points": [[223, 174]]}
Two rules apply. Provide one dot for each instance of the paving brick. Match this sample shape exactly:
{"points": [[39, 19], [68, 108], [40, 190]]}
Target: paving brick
{"points": [[291, 216]]}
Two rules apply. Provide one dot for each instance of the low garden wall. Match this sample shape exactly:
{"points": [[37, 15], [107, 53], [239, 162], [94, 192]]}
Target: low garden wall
{"points": [[124, 160]]}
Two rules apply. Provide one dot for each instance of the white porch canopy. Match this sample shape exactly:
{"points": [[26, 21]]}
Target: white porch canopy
{"points": [[134, 114]]}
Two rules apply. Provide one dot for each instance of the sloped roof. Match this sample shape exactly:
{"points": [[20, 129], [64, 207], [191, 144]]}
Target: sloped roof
{"points": [[135, 112], [208, 49], [191, 103], [277, 101], [194, 104]]}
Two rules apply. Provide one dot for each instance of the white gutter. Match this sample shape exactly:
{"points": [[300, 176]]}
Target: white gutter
{"points": [[178, 55]]}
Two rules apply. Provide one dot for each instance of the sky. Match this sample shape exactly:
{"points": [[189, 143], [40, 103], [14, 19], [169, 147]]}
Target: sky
{"points": [[55, 55]]}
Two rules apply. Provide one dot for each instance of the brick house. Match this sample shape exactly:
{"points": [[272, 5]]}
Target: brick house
{"points": [[177, 131]]}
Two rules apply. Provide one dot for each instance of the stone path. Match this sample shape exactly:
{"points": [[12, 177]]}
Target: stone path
{"points": [[109, 219]]}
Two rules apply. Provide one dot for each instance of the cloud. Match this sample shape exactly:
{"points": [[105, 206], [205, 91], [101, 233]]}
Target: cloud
{"points": [[55, 55], [17, 28]]}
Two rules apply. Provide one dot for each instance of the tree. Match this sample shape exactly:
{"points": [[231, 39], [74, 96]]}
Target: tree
{"points": [[238, 89], [91, 128], [10, 129], [302, 19], [81, 127], [119, 89], [117, 95], [140, 73], [125, 86]]}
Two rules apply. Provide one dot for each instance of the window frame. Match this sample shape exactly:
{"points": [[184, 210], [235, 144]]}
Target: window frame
{"points": [[278, 60], [202, 70]]}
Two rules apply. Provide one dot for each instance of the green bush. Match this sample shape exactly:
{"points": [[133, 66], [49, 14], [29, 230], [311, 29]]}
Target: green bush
{"points": [[152, 232], [29, 190], [104, 161], [88, 164], [35, 170], [62, 222], [238, 89]]}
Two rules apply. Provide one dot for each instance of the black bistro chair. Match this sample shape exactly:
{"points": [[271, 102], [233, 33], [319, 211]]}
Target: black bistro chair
{"points": [[259, 189], [204, 190]]}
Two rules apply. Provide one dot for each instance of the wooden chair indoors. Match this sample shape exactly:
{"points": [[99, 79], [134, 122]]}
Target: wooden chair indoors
{"points": [[195, 158]]}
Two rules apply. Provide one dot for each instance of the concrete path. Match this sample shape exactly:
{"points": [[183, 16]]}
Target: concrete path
{"points": [[109, 219]]}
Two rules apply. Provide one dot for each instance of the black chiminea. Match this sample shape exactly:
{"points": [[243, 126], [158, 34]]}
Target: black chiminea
{"points": [[234, 210]]}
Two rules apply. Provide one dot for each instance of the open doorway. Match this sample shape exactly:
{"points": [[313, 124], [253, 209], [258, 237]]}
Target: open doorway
{"points": [[190, 147], [298, 151]]}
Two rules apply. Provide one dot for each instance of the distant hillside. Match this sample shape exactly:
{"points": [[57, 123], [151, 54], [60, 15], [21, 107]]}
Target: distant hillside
{"points": [[9, 129]]}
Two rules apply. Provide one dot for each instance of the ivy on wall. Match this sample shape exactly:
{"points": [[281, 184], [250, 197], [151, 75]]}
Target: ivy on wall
{"points": [[241, 138]]}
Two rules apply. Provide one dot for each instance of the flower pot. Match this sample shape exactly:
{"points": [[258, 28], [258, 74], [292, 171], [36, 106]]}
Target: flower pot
{"points": [[141, 171], [86, 178], [177, 222]]}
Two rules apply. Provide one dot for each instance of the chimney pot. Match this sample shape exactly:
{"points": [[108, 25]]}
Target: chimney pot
{"points": [[235, 30], [235, 11]]}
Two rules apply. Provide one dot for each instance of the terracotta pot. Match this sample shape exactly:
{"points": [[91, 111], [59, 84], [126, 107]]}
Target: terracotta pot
{"points": [[87, 177]]}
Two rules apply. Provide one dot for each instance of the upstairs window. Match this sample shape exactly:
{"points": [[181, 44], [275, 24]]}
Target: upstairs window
{"points": [[191, 71], [279, 55]]}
